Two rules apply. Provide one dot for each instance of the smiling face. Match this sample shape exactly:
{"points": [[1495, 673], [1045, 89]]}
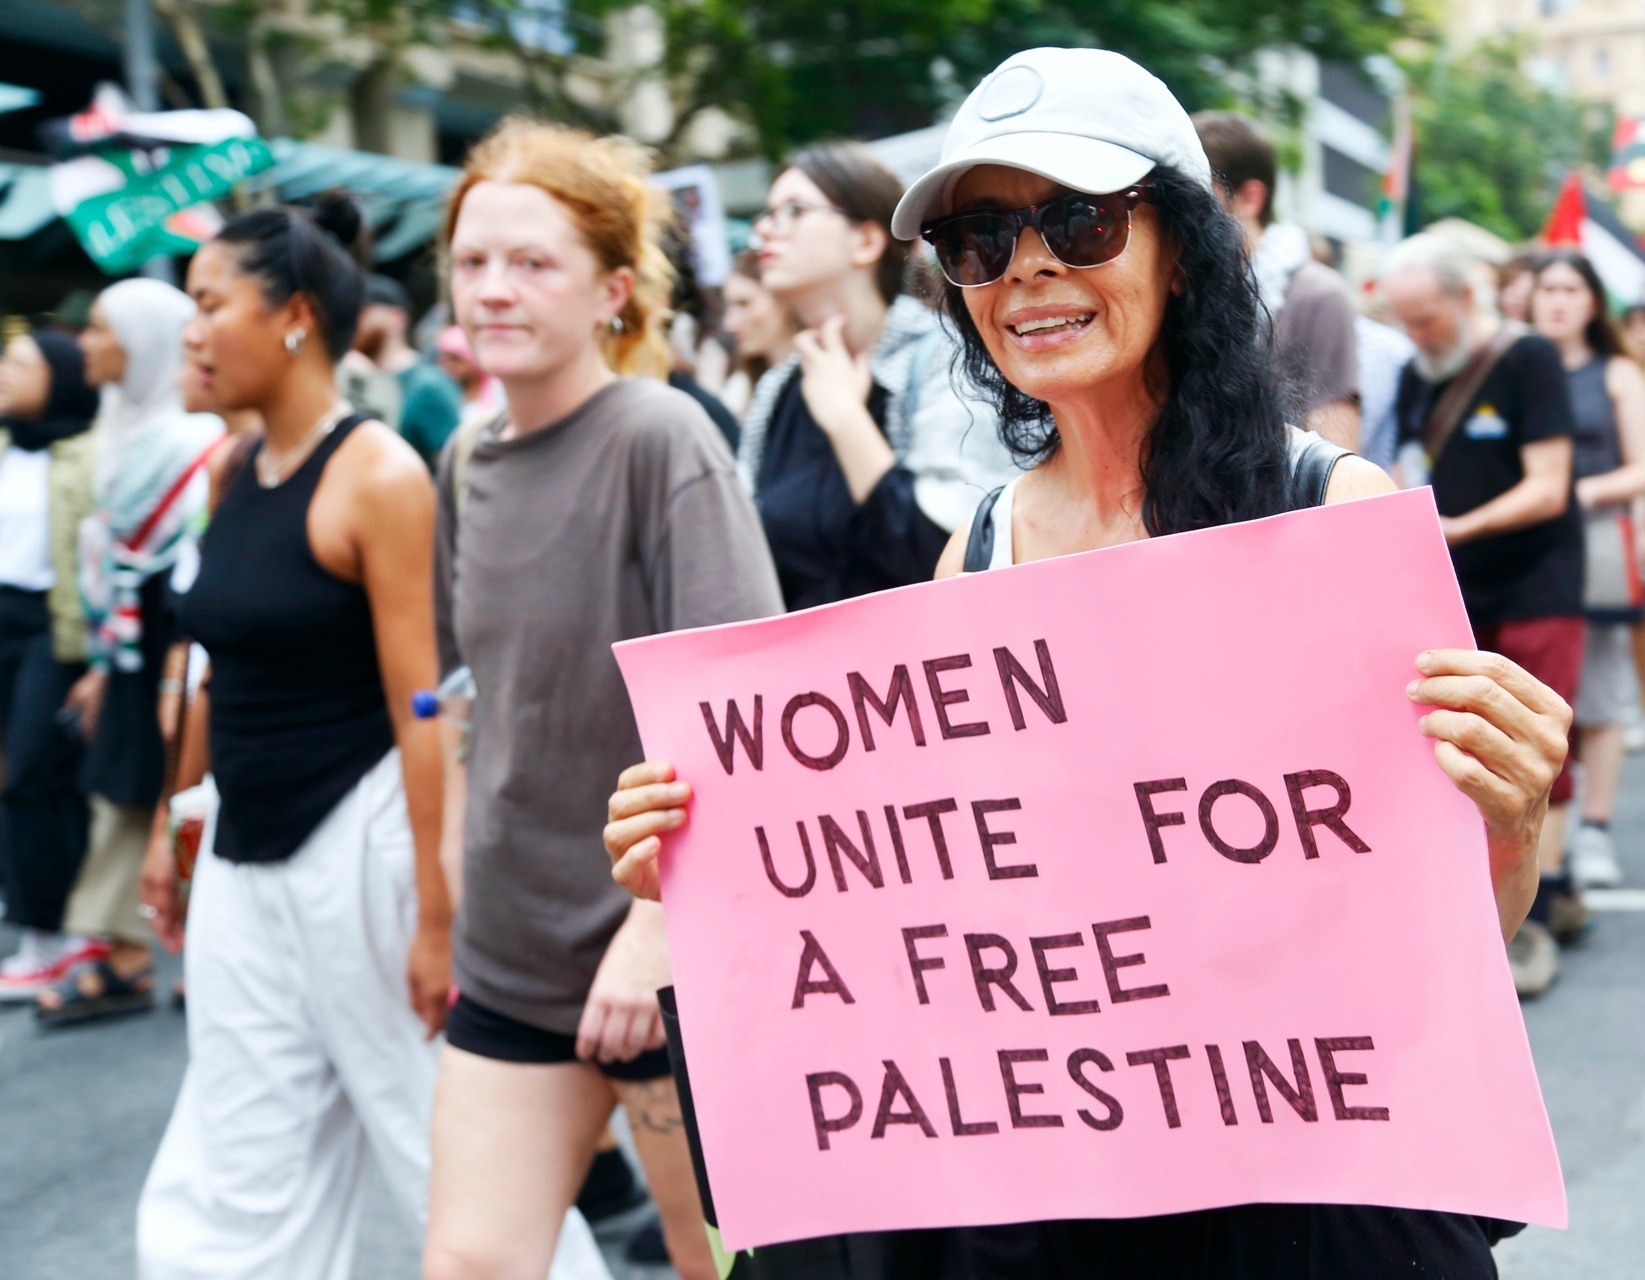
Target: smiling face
{"points": [[1057, 332], [105, 357], [527, 289], [1561, 303], [234, 345], [25, 379]]}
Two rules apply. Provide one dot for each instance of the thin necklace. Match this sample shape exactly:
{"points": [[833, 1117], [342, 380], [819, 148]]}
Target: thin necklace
{"points": [[273, 471]]}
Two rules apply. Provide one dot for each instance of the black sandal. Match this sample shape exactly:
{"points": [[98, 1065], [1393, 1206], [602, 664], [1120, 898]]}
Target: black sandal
{"points": [[132, 994]]}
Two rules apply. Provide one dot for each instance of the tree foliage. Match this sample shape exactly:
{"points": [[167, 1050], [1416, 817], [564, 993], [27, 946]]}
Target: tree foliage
{"points": [[792, 71], [795, 70], [1492, 145]]}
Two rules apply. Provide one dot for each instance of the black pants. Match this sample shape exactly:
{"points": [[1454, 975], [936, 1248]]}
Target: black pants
{"points": [[43, 815]]}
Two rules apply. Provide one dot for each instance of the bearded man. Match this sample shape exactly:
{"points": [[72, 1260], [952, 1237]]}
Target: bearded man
{"points": [[1484, 417]]}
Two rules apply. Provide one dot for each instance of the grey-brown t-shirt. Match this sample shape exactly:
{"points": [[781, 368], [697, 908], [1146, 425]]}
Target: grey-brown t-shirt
{"points": [[1314, 338], [624, 519]]}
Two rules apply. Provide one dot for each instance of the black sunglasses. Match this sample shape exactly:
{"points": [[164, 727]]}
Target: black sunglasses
{"points": [[1080, 231]]}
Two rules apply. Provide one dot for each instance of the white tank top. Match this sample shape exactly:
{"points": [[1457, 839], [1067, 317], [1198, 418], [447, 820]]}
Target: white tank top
{"points": [[1004, 554]]}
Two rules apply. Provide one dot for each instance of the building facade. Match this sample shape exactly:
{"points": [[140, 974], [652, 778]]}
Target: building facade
{"points": [[1592, 49]]}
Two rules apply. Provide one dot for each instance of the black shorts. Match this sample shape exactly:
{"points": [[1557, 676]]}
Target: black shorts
{"points": [[473, 1028]]}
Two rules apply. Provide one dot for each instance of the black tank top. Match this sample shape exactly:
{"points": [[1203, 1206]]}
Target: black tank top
{"points": [[298, 714]]}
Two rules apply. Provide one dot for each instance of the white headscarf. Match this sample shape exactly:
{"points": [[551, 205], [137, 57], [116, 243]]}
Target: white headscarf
{"points": [[144, 407], [151, 478]]}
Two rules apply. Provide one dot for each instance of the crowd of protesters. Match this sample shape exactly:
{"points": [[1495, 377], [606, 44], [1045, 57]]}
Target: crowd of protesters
{"points": [[1532, 437], [243, 524]]}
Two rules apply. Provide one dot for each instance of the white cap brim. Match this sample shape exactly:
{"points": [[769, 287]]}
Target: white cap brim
{"points": [[1083, 164]]}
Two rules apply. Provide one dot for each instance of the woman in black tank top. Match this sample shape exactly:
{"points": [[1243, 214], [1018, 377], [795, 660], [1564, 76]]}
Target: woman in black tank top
{"points": [[1112, 316], [1607, 389], [318, 962]]}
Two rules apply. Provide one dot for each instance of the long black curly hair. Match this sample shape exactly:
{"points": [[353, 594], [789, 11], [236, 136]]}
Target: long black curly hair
{"points": [[1218, 450]]}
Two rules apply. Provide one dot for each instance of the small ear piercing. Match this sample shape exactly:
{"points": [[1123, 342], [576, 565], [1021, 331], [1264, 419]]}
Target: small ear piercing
{"points": [[615, 324], [294, 342]]}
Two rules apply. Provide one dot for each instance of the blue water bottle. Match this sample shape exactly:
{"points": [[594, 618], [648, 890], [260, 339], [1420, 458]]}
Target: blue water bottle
{"points": [[451, 701]]}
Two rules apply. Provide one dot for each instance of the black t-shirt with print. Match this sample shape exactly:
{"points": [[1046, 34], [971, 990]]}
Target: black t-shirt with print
{"points": [[1534, 572]]}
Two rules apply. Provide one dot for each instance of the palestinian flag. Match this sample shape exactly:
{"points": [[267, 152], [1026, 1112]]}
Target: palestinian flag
{"points": [[1588, 224], [111, 123], [1628, 155], [1396, 202], [139, 185]]}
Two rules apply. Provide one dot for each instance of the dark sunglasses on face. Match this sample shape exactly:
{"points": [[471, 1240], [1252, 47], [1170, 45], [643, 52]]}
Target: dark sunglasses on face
{"points": [[1080, 231]]}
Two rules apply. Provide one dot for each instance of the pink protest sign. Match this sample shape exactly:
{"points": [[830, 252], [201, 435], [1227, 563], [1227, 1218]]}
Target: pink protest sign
{"points": [[1114, 885]]}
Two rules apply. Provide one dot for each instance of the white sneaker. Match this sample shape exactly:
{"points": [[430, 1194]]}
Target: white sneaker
{"points": [[41, 960], [1592, 860], [29, 970]]}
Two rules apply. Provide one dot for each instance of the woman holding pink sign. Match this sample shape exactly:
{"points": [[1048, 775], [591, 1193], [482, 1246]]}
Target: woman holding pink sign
{"points": [[1102, 298]]}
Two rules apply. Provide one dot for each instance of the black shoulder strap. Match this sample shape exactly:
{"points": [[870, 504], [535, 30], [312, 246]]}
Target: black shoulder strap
{"points": [[979, 550], [1311, 468]]}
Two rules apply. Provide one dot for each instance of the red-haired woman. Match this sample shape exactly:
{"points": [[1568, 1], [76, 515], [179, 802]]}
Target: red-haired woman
{"points": [[597, 507]]}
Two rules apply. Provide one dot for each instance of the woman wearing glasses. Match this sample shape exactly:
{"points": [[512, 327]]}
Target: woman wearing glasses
{"points": [[862, 456], [1103, 299]]}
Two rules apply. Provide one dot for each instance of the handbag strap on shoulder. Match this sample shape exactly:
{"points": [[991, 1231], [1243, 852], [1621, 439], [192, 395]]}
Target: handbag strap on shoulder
{"points": [[979, 548], [1446, 415], [1311, 468]]}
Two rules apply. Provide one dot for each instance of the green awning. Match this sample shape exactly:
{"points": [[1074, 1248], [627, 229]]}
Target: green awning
{"points": [[404, 200]]}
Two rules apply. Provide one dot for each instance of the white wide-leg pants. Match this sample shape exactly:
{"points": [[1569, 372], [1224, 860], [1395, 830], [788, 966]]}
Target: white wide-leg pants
{"points": [[303, 1053]]}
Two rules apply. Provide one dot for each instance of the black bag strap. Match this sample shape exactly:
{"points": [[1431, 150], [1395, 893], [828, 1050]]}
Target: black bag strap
{"points": [[1446, 413], [1311, 468], [979, 549]]}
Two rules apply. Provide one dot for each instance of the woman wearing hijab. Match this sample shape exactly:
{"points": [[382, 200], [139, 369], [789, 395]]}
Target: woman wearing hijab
{"points": [[46, 458], [151, 490]]}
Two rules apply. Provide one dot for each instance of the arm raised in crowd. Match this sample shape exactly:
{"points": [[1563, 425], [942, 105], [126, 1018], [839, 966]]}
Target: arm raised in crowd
{"points": [[835, 385]]}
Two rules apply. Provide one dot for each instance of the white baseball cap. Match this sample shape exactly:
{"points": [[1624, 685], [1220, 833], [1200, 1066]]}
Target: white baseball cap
{"points": [[1089, 119]]}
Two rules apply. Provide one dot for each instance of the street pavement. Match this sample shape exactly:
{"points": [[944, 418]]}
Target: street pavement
{"points": [[81, 1113], [82, 1110]]}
